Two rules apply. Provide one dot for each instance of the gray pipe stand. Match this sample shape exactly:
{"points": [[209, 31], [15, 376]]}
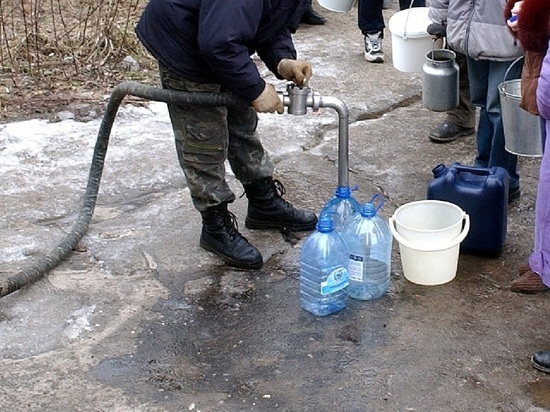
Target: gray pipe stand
{"points": [[298, 99]]}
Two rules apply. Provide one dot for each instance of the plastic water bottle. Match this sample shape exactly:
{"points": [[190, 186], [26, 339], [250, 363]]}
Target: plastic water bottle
{"points": [[323, 270], [342, 206], [369, 242]]}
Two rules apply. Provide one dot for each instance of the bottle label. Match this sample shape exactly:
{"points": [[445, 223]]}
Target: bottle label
{"points": [[337, 280], [355, 267]]}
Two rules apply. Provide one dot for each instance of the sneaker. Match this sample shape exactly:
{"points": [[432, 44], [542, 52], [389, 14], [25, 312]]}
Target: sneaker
{"points": [[529, 283], [373, 48]]}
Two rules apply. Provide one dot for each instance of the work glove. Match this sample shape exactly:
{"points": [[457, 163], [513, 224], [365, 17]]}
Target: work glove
{"points": [[297, 71], [437, 30], [268, 101]]}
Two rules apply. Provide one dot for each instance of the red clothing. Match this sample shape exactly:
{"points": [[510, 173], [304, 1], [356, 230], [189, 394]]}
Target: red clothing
{"points": [[533, 35]]}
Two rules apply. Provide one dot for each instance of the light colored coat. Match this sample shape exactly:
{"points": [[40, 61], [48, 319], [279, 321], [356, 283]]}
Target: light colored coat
{"points": [[476, 28]]}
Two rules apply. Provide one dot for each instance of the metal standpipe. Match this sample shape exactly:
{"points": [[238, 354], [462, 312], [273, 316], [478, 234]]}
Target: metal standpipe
{"points": [[298, 99]]}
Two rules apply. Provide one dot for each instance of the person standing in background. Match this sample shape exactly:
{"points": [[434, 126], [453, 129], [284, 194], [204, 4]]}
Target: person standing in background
{"points": [[531, 24], [531, 29], [371, 23], [461, 120], [478, 30]]}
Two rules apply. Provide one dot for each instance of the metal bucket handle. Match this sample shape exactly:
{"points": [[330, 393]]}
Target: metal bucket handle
{"points": [[511, 65], [407, 20]]}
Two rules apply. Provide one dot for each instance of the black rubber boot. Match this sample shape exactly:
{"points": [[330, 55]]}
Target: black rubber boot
{"points": [[268, 210], [221, 236]]}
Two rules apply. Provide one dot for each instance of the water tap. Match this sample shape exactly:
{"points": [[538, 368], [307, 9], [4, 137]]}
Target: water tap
{"points": [[299, 98]]}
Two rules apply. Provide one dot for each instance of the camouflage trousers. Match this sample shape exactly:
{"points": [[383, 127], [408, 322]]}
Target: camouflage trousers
{"points": [[207, 136]]}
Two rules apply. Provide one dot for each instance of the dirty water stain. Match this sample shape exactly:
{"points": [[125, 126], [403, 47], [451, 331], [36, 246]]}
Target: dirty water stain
{"points": [[242, 335], [540, 392], [186, 349]]}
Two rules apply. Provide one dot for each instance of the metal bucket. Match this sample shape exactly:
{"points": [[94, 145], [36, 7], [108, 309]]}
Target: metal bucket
{"points": [[522, 134]]}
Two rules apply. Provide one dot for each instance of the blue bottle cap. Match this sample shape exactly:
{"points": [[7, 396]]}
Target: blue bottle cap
{"points": [[325, 223], [368, 210]]}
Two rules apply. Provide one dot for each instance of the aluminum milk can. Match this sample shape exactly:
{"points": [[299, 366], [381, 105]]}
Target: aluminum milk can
{"points": [[440, 81]]}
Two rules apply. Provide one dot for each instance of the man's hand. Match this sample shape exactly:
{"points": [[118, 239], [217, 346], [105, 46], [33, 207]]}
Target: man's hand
{"points": [[437, 30], [268, 101], [297, 71]]}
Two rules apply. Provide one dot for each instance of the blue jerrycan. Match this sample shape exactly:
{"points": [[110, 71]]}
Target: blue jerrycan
{"points": [[483, 194]]}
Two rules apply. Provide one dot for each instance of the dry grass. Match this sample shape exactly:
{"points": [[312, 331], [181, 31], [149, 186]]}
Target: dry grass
{"points": [[54, 53]]}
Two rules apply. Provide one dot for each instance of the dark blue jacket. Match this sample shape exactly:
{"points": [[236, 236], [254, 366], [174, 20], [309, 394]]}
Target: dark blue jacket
{"points": [[211, 41]]}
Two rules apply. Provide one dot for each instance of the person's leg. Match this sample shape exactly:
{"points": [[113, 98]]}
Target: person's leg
{"points": [[310, 16], [405, 4], [536, 277], [485, 76], [370, 18], [461, 120], [201, 137], [539, 260], [247, 157], [499, 155], [478, 73], [371, 23], [464, 115], [254, 169]]}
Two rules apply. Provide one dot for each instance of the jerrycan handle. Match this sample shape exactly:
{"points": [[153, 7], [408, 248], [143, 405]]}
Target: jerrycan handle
{"points": [[377, 198], [482, 171]]}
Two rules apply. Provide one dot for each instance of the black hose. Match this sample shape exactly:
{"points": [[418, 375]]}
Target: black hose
{"points": [[46, 263]]}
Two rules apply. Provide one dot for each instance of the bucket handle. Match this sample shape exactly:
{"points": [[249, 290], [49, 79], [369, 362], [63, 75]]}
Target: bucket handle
{"points": [[438, 248], [407, 19], [511, 65]]}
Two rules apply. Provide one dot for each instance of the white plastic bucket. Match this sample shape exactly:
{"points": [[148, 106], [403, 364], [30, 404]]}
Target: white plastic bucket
{"points": [[429, 221], [429, 246], [342, 6], [410, 39]]}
